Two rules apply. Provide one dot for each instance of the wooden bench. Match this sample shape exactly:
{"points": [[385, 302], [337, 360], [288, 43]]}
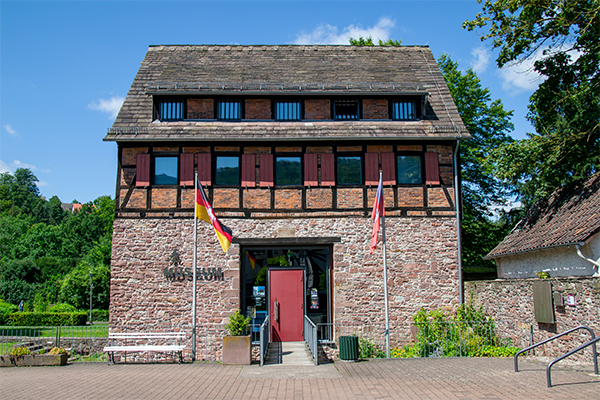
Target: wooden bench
{"points": [[162, 342]]}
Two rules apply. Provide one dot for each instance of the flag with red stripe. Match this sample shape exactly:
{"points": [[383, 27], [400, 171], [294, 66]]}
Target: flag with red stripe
{"points": [[378, 212], [204, 211]]}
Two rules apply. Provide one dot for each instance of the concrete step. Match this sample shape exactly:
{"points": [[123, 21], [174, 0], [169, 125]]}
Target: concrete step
{"points": [[288, 353]]}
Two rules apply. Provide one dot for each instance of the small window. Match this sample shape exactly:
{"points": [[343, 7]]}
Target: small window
{"points": [[404, 110], [171, 110], [165, 170], [229, 110], [409, 170], [287, 111], [288, 171], [349, 171], [345, 110], [228, 171]]}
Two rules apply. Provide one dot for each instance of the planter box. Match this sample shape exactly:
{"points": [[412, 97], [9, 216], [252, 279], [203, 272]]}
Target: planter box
{"points": [[237, 350], [33, 360]]}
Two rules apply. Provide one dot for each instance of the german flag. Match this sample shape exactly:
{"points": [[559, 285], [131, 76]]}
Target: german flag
{"points": [[252, 260], [204, 211]]}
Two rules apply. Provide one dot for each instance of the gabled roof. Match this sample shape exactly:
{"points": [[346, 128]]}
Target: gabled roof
{"points": [[571, 215], [287, 70]]}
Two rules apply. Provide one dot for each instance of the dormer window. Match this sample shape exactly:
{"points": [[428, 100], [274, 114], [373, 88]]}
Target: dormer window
{"points": [[346, 110], [288, 110], [405, 110], [171, 110], [229, 110]]}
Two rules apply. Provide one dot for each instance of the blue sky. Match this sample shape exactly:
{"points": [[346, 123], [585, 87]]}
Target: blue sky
{"points": [[65, 67]]}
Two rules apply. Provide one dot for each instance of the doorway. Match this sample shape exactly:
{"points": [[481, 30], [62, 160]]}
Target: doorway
{"points": [[286, 297]]}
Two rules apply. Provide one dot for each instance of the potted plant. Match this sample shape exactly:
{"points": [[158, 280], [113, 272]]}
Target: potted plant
{"points": [[22, 357], [237, 346]]}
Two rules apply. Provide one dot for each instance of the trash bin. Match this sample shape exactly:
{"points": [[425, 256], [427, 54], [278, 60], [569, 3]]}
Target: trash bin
{"points": [[349, 348]]}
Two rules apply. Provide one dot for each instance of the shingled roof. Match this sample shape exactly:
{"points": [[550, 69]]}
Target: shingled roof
{"points": [[287, 70], [571, 215]]}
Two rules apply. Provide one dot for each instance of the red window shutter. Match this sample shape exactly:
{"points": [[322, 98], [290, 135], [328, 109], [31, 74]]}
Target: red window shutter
{"points": [[432, 169], [204, 169], [186, 169], [266, 170], [388, 168], [142, 173], [311, 173], [327, 169], [248, 170], [372, 169]]}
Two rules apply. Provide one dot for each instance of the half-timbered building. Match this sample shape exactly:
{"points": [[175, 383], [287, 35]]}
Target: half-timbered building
{"points": [[288, 142]]}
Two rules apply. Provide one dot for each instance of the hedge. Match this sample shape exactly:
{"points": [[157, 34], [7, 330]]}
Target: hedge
{"points": [[99, 315], [48, 319]]}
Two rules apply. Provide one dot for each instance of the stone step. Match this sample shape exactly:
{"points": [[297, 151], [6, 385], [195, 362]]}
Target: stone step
{"points": [[288, 353]]}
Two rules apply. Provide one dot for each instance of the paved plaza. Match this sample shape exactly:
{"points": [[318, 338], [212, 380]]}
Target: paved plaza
{"points": [[448, 378]]}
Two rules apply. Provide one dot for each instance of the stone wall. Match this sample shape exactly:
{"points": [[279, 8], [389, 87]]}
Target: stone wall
{"points": [[512, 301], [422, 268]]}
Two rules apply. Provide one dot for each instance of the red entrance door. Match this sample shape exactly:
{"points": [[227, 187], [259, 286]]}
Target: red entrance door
{"points": [[286, 297]]}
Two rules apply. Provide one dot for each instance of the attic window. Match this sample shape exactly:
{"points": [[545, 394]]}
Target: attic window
{"points": [[345, 110], [287, 110], [229, 110], [171, 110], [404, 110]]}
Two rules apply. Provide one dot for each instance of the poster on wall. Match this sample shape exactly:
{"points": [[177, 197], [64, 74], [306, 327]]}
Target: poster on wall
{"points": [[258, 292], [314, 299]]}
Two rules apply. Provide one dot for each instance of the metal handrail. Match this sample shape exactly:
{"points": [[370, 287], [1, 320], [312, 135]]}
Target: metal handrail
{"points": [[264, 340], [553, 338], [310, 336], [570, 353]]}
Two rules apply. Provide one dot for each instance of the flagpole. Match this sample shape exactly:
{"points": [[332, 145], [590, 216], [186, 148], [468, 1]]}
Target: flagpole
{"points": [[385, 284], [194, 282]]}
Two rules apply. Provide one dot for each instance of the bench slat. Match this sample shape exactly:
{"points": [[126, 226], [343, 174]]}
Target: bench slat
{"points": [[144, 348]]}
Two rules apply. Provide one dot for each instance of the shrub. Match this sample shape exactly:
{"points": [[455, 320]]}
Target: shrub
{"points": [[5, 310], [238, 324], [62, 308], [100, 315], [48, 319]]}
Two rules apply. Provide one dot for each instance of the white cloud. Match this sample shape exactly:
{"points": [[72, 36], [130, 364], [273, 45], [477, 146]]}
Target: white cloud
{"points": [[19, 164], [4, 167], [10, 130], [480, 59], [521, 77], [110, 106], [328, 34]]}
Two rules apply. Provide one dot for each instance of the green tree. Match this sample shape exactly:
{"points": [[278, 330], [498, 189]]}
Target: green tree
{"points": [[565, 109], [368, 41], [489, 125]]}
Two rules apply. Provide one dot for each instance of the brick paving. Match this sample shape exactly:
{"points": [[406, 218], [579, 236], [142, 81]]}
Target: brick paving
{"points": [[466, 378]]}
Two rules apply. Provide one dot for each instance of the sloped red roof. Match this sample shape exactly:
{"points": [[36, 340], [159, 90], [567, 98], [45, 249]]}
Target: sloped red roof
{"points": [[571, 215]]}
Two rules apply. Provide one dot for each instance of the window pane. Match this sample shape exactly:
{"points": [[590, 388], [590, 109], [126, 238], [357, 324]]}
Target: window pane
{"points": [[409, 169], [228, 171], [346, 110], [349, 171], [229, 110], [287, 110], [165, 171], [171, 110], [288, 171], [404, 110]]}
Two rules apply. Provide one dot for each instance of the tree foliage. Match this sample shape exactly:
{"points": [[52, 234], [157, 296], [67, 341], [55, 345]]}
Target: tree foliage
{"points": [[368, 41], [489, 125], [565, 109], [46, 253]]}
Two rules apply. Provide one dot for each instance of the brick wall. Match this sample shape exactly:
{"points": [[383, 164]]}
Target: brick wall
{"points": [[510, 302], [226, 198], [200, 109], [375, 109], [130, 153], [350, 198], [258, 109], [164, 198], [257, 198], [422, 268], [319, 198], [317, 109], [288, 199], [410, 197]]}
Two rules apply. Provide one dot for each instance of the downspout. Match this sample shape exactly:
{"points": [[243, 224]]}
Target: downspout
{"points": [[580, 254], [457, 204]]}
